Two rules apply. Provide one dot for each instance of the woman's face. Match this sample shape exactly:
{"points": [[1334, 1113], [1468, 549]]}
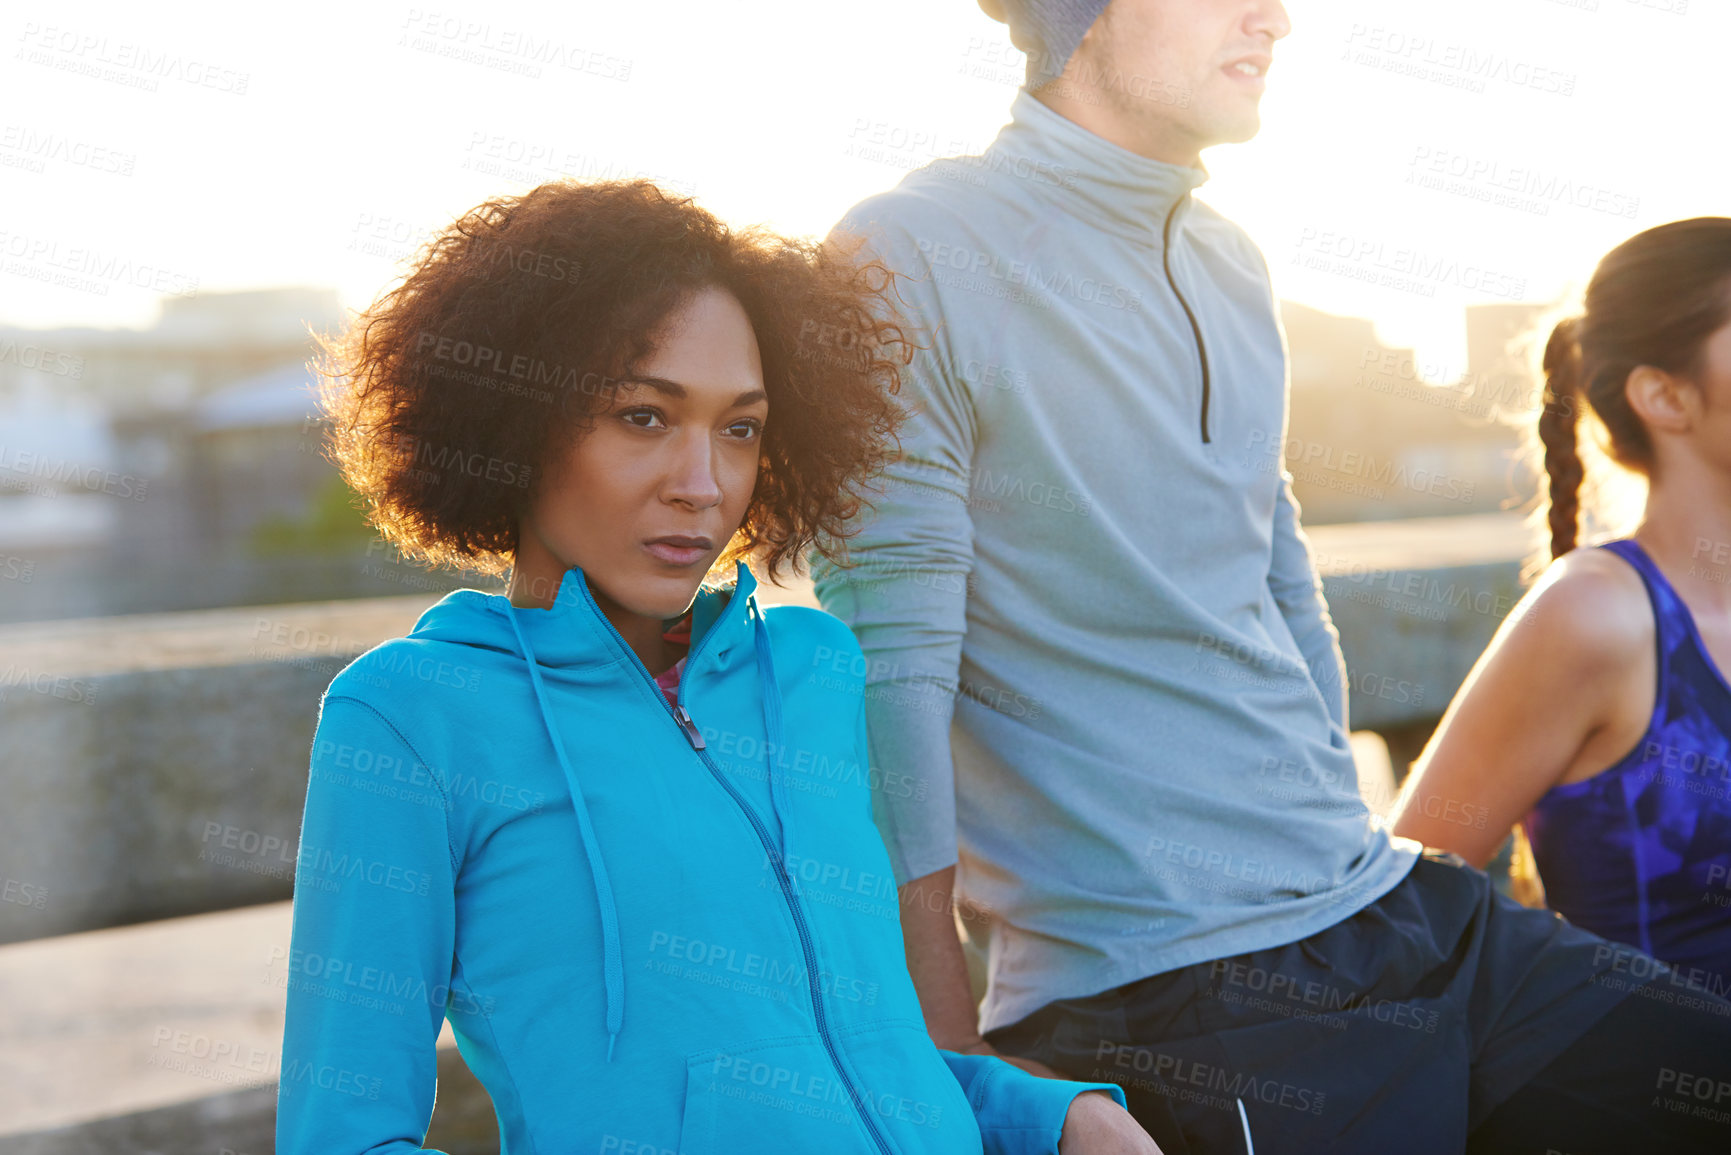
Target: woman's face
{"points": [[1712, 431], [647, 499], [1688, 420]]}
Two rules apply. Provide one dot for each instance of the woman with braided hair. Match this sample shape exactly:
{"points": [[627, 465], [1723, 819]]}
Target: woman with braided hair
{"points": [[1600, 716]]}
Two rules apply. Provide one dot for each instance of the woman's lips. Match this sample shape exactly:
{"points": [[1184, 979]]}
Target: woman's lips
{"points": [[676, 554]]}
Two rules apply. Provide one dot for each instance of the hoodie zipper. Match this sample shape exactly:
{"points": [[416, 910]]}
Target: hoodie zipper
{"points": [[1166, 263], [694, 737]]}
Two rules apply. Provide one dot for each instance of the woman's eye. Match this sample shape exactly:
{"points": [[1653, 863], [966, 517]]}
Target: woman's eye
{"points": [[745, 428], [643, 417]]}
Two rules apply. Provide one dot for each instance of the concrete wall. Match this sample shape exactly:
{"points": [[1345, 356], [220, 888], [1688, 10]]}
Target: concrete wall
{"points": [[1416, 602], [155, 766]]}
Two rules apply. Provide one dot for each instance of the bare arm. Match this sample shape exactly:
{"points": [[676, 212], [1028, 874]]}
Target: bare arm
{"points": [[1563, 691], [940, 972]]}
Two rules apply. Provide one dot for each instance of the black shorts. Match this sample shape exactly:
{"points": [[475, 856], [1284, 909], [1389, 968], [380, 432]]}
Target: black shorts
{"points": [[1441, 1018]]}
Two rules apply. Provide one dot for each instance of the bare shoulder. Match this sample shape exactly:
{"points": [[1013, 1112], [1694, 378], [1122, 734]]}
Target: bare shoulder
{"points": [[1589, 606]]}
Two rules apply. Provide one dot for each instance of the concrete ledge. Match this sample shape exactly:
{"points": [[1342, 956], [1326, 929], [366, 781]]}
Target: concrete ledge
{"points": [[155, 766], [300, 634], [1416, 602], [244, 1123], [146, 795], [240, 1123], [174, 1029]]}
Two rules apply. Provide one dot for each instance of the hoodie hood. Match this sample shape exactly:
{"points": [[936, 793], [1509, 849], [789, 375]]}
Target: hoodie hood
{"points": [[573, 631]]}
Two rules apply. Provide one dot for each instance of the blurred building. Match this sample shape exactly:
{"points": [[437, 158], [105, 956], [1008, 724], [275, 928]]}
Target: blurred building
{"points": [[180, 466], [1376, 434], [177, 466]]}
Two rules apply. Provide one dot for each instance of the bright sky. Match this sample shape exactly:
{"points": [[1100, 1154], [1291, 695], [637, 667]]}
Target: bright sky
{"points": [[311, 144]]}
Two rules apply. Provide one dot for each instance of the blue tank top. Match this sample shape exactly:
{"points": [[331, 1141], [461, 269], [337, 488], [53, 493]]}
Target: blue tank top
{"points": [[1641, 853]]}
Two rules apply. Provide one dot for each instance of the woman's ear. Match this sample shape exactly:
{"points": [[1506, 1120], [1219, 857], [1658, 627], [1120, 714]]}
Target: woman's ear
{"points": [[1664, 402]]}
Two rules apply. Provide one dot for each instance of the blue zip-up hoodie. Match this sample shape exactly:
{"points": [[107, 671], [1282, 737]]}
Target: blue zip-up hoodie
{"points": [[653, 930]]}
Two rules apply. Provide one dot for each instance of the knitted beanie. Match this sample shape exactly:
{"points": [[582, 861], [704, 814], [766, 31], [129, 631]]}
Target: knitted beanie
{"points": [[1049, 31]]}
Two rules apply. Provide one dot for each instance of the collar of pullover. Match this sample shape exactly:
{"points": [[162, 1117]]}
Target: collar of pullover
{"points": [[1099, 181]]}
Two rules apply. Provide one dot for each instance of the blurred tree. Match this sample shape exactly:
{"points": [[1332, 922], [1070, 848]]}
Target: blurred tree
{"points": [[332, 524]]}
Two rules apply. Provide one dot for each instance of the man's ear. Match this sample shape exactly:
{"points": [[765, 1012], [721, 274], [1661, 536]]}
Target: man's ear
{"points": [[1663, 402]]}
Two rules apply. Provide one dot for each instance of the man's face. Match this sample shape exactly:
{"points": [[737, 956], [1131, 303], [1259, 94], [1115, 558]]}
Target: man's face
{"points": [[1199, 66]]}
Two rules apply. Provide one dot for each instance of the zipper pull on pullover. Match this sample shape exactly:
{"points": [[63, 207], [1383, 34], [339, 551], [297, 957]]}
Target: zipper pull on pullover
{"points": [[692, 734]]}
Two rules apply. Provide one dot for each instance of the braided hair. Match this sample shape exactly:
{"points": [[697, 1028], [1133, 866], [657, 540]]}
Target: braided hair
{"points": [[1653, 300], [1563, 467]]}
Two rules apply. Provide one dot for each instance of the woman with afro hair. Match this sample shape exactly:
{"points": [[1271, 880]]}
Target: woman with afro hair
{"points": [[614, 824]]}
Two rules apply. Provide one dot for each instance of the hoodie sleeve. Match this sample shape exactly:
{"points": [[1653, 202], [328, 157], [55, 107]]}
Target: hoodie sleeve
{"points": [[905, 595], [370, 957], [1018, 1113]]}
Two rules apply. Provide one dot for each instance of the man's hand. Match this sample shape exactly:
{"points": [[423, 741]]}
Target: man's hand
{"points": [[1096, 1125]]}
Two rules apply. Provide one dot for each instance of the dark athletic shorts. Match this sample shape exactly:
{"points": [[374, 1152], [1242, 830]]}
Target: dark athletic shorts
{"points": [[1443, 1017]]}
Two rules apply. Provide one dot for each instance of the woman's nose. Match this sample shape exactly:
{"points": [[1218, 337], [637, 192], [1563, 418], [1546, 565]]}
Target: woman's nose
{"points": [[693, 479]]}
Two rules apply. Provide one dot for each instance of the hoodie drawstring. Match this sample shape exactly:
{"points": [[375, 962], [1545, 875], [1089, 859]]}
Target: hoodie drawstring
{"points": [[772, 727], [613, 964]]}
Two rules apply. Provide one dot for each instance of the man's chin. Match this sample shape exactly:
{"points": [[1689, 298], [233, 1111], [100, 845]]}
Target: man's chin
{"points": [[1220, 123], [1234, 129]]}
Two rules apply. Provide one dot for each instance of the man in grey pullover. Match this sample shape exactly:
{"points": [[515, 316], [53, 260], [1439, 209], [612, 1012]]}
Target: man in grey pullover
{"points": [[1106, 702]]}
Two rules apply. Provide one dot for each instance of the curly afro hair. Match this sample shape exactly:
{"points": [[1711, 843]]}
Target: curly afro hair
{"points": [[504, 339]]}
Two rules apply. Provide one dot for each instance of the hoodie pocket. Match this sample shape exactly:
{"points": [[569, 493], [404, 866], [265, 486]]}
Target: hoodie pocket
{"points": [[785, 1094], [908, 1088], [779, 1094]]}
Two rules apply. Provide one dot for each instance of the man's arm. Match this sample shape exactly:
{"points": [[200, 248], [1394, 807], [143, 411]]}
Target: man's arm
{"points": [[1297, 591], [1017, 1113], [940, 971], [904, 589], [935, 960], [1292, 577], [905, 598]]}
